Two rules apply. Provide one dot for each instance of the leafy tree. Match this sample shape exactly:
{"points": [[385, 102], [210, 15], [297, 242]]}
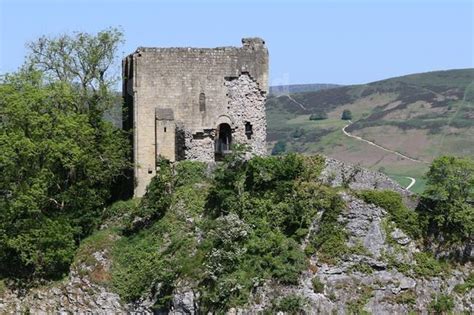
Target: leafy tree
{"points": [[447, 206], [320, 115], [279, 147], [346, 114], [58, 158], [83, 60]]}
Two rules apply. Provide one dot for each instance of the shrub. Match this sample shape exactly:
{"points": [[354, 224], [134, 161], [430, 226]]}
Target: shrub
{"points": [[279, 148], [120, 209], [466, 286], [298, 133], [290, 304], [407, 297], [346, 114], [362, 268], [46, 250], [3, 287], [404, 218], [189, 173], [318, 116], [441, 304], [318, 286], [156, 201], [356, 306], [330, 241], [428, 266]]}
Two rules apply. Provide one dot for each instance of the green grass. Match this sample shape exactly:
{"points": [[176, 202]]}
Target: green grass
{"points": [[401, 180], [446, 124]]}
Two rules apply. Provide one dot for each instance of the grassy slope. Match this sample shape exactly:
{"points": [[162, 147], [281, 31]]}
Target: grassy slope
{"points": [[421, 115]]}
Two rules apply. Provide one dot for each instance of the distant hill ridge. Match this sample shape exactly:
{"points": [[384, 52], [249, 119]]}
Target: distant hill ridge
{"points": [[297, 88], [422, 116]]}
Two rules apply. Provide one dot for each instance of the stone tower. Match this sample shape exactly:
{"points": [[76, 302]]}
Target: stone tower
{"points": [[194, 103]]}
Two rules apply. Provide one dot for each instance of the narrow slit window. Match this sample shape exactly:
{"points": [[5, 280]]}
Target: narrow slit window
{"points": [[164, 129], [202, 102], [248, 130]]}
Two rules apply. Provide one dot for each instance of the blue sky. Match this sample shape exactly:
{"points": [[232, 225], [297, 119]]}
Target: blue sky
{"points": [[309, 41]]}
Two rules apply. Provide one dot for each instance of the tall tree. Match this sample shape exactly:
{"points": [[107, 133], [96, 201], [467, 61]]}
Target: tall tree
{"points": [[58, 157], [449, 198], [83, 60]]}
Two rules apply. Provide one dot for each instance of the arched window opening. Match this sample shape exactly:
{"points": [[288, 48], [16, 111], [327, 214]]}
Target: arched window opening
{"points": [[223, 141], [202, 102]]}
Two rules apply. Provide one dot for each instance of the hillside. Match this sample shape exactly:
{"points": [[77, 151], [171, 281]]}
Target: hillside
{"points": [[278, 90], [421, 116]]}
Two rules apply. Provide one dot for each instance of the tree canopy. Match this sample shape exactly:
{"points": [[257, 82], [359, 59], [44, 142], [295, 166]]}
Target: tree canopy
{"points": [[449, 198], [346, 114], [58, 158]]}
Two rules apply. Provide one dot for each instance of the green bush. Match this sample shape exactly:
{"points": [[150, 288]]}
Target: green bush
{"points": [[290, 304], [318, 116], [279, 148], [346, 114], [407, 297], [318, 286], [466, 286], [189, 173], [46, 250], [120, 209], [298, 133], [156, 201], [404, 218], [428, 266], [362, 268], [356, 306], [441, 304], [330, 241], [3, 287]]}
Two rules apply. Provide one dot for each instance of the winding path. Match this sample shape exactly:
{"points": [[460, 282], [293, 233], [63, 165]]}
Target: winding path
{"points": [[379, 146], [295, 101], [413, 181]]}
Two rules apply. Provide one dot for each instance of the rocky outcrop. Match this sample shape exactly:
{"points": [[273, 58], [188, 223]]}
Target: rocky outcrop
{"points": [[78, 294], [376, 275], [367, 280], [338, 173]]}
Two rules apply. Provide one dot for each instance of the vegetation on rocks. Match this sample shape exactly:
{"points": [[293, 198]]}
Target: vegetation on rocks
{"points": [[404, 218], [227, 234], [291, 304], [442, 304]]}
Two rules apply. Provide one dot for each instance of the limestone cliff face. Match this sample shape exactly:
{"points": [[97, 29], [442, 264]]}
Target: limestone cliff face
{"points": [[374, 277], [367, 280]]}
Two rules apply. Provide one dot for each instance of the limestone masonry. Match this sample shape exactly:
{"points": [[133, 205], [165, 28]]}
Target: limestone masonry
{"points": [[194, 103]]}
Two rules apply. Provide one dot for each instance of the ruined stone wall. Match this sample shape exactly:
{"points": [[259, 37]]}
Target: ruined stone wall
{"points": [[247, 105], [198, 85]]}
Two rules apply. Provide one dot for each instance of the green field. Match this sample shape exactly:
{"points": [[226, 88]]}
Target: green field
{"points": [[422, 116]]}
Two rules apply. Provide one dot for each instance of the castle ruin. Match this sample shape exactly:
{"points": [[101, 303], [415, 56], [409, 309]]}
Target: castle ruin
{"points": [[194, 103]]}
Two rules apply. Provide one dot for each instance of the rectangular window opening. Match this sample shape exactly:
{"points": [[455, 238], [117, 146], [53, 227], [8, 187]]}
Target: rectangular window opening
{"points": [[248, 130]]}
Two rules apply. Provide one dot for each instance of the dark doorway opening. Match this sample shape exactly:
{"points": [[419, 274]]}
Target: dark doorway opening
{"points": [[223, 141]]}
